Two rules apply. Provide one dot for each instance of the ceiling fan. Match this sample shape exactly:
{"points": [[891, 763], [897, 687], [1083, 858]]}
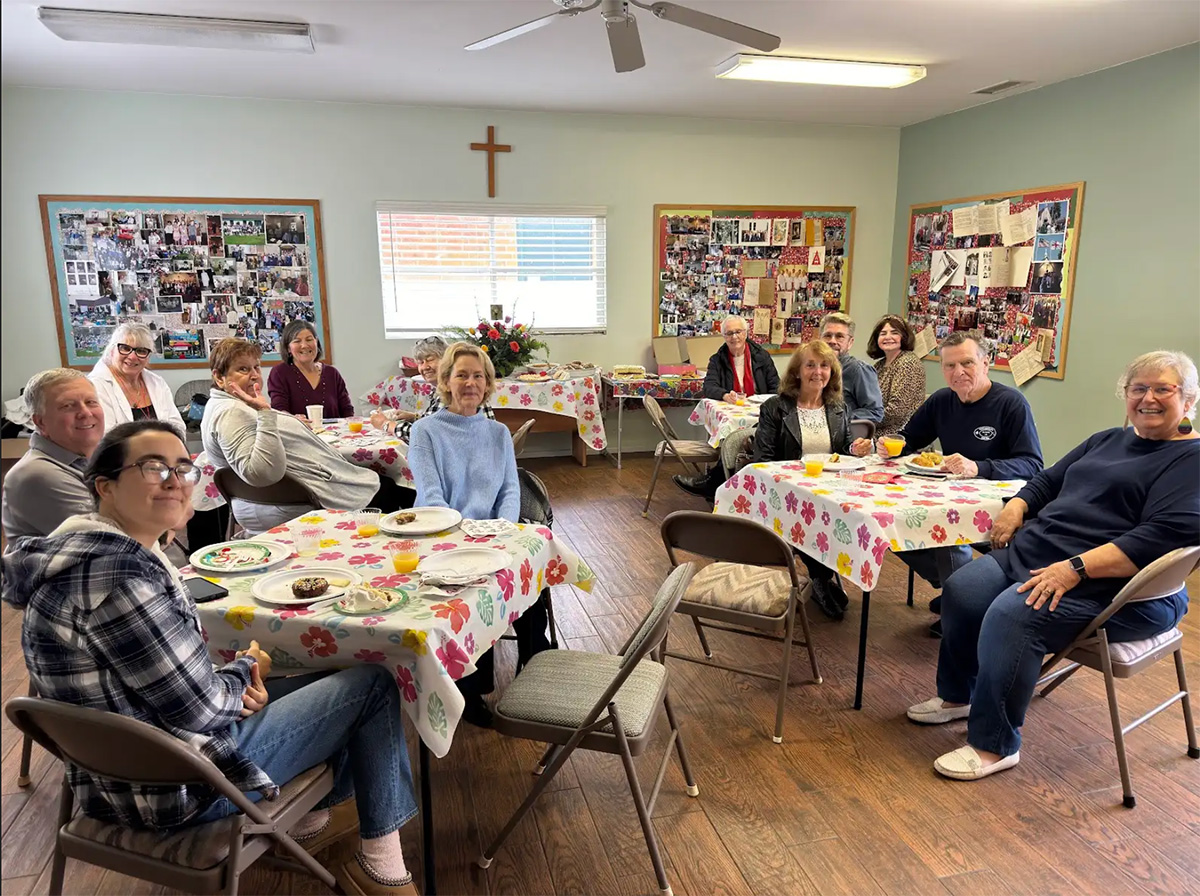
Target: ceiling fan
{"points": [[622, 28]]}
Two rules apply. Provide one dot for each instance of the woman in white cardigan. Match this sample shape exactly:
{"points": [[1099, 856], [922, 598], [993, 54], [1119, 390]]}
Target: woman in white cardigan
{"points": [[127, 390]]}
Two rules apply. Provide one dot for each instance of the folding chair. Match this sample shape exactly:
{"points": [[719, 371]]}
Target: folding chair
{"points": [[535, 508], [207, 858], [1124, 659], [693, 454], [286, 491], [574, 699], [518, 436], [754, 585], [862, 429]]}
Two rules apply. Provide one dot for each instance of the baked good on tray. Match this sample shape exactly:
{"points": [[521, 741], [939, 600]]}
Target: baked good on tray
{"points": [[310, 586]]}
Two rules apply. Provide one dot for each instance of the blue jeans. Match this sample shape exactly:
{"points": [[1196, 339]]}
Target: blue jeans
{"points": [[936, 565], [993, 646], [353, 718]]}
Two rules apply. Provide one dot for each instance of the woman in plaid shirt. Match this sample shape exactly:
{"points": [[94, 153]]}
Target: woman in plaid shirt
{"points": [[108, 624]]}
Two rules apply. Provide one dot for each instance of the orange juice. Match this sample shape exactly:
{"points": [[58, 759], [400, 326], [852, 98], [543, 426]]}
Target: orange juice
{"points": [[814, 467], [404, 562], [892, 445], [356, 426], [367, 521], [367, 531], [740, 401]]}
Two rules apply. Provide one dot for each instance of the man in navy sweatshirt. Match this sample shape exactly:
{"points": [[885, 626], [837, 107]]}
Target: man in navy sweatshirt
{"points": [[986, 430]]}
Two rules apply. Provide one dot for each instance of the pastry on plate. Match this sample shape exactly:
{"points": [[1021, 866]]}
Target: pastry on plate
{"points": [[310, 586], [405, 516], [930, 459]]}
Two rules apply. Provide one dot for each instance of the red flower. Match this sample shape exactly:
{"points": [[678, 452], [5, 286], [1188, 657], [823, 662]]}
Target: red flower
{"points": [[330, 555], [289, 612], [808, 512], [453, 658], [483, 327], [983, 520], [515, 346], [868, 577], [211, 490], [370, 656], [456, 610], [404, 681], [389, 581], [526, 576], [366, 560], [879, 550], [938, 533], [388, 456], [493, 333], [445, 546], [556, 572], [319, 641], [505, 578], [741, 504], [797, 534]]}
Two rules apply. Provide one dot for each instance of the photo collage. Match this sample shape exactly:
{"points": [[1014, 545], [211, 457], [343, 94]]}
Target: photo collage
{"points": [[780, 269], [998, 268], [192, 277]]}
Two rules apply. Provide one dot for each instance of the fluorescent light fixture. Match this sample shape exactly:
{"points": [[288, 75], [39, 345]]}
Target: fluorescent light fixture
{"points": [[796, 70], [176, 31]]}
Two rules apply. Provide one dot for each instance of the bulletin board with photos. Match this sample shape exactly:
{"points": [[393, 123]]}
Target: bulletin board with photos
{"points": [[1001, 266], [194, 270], [782, 268]]}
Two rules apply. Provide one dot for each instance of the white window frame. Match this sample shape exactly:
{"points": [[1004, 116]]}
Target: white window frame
{"points": [[388, 294]]}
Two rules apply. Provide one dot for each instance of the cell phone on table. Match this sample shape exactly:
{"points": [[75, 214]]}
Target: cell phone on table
{"points": [[202, 590]]}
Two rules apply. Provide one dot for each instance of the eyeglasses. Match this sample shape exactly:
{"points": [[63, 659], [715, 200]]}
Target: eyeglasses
{"points": [[126, 349], [1163, 390], [729, 333], [155, 471]]}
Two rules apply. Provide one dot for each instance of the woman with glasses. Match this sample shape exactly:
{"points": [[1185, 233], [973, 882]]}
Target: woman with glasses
{"points": [[1063, 548], [108, 624], [127, 390]]}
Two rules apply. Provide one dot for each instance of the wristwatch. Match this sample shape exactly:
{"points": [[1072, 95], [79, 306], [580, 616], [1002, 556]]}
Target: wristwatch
{"points": [[1077, 565]]}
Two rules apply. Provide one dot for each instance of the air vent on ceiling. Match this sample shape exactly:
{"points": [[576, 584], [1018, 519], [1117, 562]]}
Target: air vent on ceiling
{"points": [[1000, 88]]}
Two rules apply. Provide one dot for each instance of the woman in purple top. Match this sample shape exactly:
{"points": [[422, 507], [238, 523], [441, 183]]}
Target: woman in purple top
{"points": [[302, 379]]}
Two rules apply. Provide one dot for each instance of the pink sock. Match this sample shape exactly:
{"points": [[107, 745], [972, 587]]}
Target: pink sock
{"points": [[383, 859], [312, 823]]}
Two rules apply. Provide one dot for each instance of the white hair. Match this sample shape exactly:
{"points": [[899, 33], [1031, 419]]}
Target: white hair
{"points": [[1152, 362], [35, 390], [130, 333], [733, 317]]}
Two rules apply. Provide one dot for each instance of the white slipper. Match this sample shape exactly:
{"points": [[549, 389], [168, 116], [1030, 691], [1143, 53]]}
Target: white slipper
{"points": [[964, 764], [936, 712]]}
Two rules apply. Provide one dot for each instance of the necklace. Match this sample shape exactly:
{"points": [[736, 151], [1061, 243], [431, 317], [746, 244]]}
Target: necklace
{"points": [[140, 397]]}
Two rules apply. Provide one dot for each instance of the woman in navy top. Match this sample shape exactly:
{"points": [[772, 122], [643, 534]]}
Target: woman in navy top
{"points": [[1065, 546]]}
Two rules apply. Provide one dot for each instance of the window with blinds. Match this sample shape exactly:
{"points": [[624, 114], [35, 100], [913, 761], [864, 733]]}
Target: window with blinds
{"points": [[448, 265]]}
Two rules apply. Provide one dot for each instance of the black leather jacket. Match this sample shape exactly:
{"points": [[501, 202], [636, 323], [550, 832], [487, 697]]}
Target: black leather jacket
{"points": [[779, 436], [719, 378]]}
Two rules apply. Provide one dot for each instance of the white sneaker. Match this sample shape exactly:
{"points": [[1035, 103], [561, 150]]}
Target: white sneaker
{"points": [[936, 712]]}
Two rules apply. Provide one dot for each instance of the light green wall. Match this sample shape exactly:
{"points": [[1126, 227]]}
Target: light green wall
{"points": [[1133, 134], [350, 156]]}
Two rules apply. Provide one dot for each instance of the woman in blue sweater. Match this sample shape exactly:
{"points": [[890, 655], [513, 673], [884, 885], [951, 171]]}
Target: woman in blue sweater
{"points": [[1065, 545], [461, 459]]}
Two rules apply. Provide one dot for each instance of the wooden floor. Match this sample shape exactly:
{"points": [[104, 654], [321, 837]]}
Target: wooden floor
{"points": [[848, 804]]}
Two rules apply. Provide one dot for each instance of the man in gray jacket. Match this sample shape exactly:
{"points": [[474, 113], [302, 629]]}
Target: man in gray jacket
{"points": [[860, 384]]}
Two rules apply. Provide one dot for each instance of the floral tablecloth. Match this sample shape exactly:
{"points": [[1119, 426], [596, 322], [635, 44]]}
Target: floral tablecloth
{"points": [[720, 418], [850, 525], [370, 448], [428, 643], [665, 389], [578, 398]]}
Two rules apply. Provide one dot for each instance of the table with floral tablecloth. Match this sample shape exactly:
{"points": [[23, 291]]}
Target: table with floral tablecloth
{"points": [[369, 448], [720, 418], [428, 643], [669, 390], [849, 525], [578, 398]]}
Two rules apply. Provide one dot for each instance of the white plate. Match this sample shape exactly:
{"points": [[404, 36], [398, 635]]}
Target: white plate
{"points": [[277, 587], [473, 562], [757, 399], [252, 555], [428, 521], [844, 462], [924, 471]]}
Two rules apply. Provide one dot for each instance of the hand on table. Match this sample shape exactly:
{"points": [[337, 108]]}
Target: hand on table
{"points": [[733, 397], [255, 697], [962, 466], [1049, 583], [861, 447]]}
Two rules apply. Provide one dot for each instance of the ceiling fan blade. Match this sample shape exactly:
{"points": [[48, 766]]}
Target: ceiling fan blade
{"points": [[519, 30], [702, 21], [625, 44]]}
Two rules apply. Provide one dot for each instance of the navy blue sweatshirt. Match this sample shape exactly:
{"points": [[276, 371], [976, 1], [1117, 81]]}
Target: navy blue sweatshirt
{"points": [[1141, 495], [996, 432]]}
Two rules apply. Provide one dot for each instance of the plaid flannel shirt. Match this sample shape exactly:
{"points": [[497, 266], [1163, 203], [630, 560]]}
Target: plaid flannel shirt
{"points": [[109, 627]]}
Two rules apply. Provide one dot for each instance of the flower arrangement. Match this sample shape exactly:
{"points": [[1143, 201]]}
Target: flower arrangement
{"points": [[509, 345]]}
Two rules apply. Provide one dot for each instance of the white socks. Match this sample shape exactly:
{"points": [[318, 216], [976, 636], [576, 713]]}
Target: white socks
{"points": [[311, 824], [383, 859]]}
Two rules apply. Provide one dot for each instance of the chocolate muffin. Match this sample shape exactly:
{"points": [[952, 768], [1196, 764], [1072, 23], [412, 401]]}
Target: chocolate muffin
{"points": [[311, 586]]}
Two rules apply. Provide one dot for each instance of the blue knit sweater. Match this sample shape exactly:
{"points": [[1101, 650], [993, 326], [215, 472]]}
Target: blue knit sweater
{"points": [[466, 463]]}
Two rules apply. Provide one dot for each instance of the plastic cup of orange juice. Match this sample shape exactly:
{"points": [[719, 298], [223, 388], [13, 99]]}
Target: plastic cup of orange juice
{"points": [[355, 425], [814, 467], [367, 521], [893, 445], [404, 556]]}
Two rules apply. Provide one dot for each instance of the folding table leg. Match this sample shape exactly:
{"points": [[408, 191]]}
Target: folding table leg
{"points": [[427, 821], [862, 648]]}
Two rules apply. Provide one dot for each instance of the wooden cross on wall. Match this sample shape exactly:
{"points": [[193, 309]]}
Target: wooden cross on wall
{"points": [[491, 148]]}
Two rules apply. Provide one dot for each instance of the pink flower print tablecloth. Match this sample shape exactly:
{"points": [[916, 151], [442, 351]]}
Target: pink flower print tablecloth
{"points": [[578, 398], [850, 525], [428, 643], [720, 418], [370, 448]]}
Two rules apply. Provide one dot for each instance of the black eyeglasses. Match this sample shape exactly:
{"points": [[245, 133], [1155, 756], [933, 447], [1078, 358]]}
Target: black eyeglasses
{"points": [[126, 349], [156, 471]]}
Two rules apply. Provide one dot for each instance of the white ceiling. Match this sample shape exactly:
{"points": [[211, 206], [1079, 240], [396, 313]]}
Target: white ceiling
{"points": [[410, 52]]}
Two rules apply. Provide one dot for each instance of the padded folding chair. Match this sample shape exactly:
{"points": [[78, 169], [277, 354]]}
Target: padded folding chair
{"points": [[694, 455], [574, 699], [206, 858], [1124, 659], [26, 751], [286, 491], [862, 429], [737, 449], [519, 435], [754, 585]]}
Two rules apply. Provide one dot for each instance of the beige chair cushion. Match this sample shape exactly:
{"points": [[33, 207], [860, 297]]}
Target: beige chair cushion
{"points": [[200, 847], [689, 450], [735, 586], [559, 687], [1128, 652]]}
